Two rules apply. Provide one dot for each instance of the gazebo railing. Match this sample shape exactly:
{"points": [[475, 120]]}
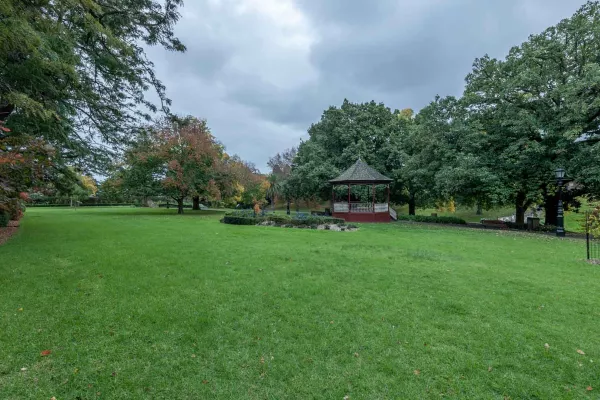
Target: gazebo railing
{"points": [[381, 207], [359, 208]]}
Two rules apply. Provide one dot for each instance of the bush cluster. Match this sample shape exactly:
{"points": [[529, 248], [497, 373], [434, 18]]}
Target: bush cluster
{"points": [[432, 220], [4, 218], [85, 205], [248, 218], [239, 220]]}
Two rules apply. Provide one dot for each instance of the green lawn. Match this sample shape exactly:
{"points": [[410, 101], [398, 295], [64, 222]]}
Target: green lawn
{"points": [[146, 304]]}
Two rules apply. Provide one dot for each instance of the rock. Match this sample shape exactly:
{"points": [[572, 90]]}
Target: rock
{"points": [[334, 227], [321, 227]]}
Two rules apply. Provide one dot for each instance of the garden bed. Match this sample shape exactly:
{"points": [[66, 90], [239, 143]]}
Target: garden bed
{"points": [[300, 221]]}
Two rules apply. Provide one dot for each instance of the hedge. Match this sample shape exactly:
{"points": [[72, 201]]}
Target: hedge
{"points": [[4, 219], [432, 220], [83, 205], [238, 220], [241, 218]]}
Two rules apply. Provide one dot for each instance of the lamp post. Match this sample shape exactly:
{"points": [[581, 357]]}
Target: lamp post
{"points": [[560, 219]]}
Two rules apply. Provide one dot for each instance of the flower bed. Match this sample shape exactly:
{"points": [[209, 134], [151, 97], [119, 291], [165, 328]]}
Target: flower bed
{"points": [[286, 221]]}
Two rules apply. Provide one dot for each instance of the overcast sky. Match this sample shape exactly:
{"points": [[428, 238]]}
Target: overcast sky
{"points": [[261, 71]]}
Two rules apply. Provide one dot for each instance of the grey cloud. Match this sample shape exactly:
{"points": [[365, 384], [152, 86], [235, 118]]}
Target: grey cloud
{"points": [[260, 93]]}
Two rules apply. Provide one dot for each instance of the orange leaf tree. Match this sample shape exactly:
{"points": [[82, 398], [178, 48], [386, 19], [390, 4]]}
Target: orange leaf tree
{"points": [[177, 158], [24, 162]]}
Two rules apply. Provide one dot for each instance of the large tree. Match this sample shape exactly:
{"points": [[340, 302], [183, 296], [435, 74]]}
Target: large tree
{"points": [[178, 158], [540, 109], [370, 131], [281, 166], [75, 72]]}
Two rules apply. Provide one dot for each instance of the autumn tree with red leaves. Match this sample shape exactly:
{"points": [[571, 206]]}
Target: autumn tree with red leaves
{"points": [[25, 161], [178, 158]]}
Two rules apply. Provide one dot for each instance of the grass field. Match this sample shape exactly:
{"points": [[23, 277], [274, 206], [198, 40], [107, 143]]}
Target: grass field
{"points": [[137, 304]]}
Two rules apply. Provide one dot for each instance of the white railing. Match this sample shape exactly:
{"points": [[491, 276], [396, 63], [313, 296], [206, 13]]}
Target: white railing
{"points": [[360, 208], [381, 207], [340, 207]]}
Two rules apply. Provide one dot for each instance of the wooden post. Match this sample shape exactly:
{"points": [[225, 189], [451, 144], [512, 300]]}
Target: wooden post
{"points": [[332, 199], [388, 197], [348, 198], [373, 189]]}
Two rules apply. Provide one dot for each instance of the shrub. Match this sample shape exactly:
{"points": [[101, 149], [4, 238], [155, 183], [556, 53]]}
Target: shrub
{"points": [[432, 219], [246, 217], [546, 228], [237, 220], [4, 219], [279, 219]]}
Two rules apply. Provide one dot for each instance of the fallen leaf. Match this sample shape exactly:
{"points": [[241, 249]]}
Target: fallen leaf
{"points": [[356, 355], [262, 360], [346, 397], [589, 388], [114, 373], [204, 382], [581, 352], [417, 372], [193, 356], [76, 370], [331, 322], [23, 369], [45, 353], [20, 309], [546, 346], [490, 368], [52, 398]]}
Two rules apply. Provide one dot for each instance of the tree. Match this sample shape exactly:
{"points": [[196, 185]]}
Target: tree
{"points": [[75, 73], [442, 158], [24, 163], [177, 159], [539, 110], [281, 168], [369, 131]]}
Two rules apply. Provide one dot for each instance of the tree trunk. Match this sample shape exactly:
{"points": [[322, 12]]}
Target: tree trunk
{"points": [[550, 209], [180, 206], [412, 208], [288, 208], [520, 208], [479, 210], [196, 203]]}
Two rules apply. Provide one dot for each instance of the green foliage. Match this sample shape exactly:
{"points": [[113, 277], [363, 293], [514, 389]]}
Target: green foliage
{"points": [[432, 219], [248, 218], [369, 131], [76, 72], [239, 220], [4, 218]]}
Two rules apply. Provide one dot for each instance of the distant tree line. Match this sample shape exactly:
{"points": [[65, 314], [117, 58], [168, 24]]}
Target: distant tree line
{"points": [[499, 144]]}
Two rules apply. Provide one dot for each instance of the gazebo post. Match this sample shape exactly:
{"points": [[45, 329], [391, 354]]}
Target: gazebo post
{"points": [[373, 190], [332, 210], [349, 198], [388, 197]]}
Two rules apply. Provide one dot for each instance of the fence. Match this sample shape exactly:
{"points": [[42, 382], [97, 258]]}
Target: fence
{"points": [[592, 241]]}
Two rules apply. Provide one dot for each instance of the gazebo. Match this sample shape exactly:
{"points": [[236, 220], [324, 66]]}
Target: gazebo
{"points": [[356, 208]]}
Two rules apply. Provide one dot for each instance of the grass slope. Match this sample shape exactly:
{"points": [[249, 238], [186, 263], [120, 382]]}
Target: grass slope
{"points": [[146, 304]]}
